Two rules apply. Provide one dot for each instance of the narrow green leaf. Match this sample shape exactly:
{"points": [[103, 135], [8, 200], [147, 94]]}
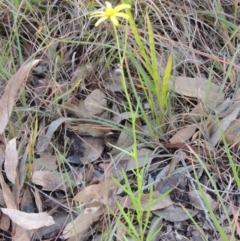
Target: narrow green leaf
{"points": [[166, 78]]}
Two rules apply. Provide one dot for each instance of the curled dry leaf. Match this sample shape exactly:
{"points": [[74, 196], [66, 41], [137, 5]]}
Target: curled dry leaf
{"points": [[11, 160], [96, 102], [183, 134], [8, 98], [28, 221]]}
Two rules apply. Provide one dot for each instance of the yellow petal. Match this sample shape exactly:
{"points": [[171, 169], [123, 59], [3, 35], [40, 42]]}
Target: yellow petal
{"points": [[121, 7], [122, 15], [108, 5], [100, 20], [98, 13], [114, 20]]}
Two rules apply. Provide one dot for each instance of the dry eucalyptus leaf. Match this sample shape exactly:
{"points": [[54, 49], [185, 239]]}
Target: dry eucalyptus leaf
{"points": [[44, 141], [11, 160], [196, 202], [7, 194], [78, 110], [197, 87], [4, 222], [169, 183], [45, 163], [13, 85], [175, 213], [93, 148], [48, 180], [146, 201], [2, 201], [82, 71], [27, 204], [38, 200], [96, 102], [61, 219], [19, 233], [233, 133], [223, 125], [82, 223], [29, 221], [144, 157], [124, 141], [54, 181], [112, 80], [102, 191], [183, 134]]}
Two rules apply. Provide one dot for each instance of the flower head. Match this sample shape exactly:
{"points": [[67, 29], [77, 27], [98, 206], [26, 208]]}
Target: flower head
{"points": [[111, 13]]}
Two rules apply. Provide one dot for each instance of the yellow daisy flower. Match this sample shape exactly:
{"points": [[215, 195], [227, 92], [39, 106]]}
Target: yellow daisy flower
{"points": [[111, 13]]}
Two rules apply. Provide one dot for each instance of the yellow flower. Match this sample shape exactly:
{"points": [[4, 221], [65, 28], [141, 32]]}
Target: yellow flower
{"points": [[111, 13]]}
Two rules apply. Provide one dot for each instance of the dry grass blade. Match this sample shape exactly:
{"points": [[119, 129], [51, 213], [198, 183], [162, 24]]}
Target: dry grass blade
{"points": [[8, 98]]}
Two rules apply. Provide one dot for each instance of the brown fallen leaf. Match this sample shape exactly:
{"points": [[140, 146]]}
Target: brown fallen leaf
{"points": [[2, 201], [79, 110], [199, 150], [197, 87], [93, 148], [54, 181], [7, 194], [145, 201], [8, 98], [19, 233], [11, 160], [169, 183], [124, 141], [61, 220], [96, 102], [223, 125], [175, 213], [45, 163], [101, 191], [196, 202], [83, 222], [27, 204], [44, 141], [183, 134], [28, 221], [4, 222]]}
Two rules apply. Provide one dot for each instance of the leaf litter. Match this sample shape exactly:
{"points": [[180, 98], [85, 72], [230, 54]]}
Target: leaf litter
{"points": [[76, 132]]}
